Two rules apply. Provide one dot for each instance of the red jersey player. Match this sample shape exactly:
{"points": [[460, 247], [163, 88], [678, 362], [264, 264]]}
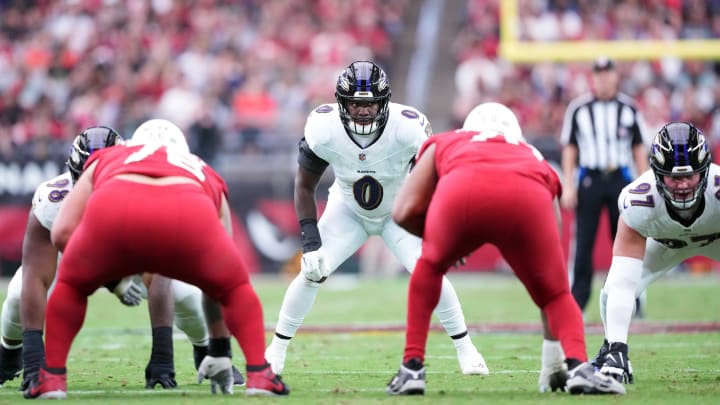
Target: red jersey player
{"points": [[485, 184], [151, 205]]}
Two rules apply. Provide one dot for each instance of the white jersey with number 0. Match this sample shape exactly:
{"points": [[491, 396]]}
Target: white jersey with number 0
{"points": [[366, 182], [367, 179]]}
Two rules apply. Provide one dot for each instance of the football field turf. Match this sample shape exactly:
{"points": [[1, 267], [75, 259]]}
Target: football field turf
{"points": [[351, 345]]}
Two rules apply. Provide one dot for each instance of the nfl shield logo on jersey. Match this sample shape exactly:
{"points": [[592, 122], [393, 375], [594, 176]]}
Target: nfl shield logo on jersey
{"points": [[361, 156]]}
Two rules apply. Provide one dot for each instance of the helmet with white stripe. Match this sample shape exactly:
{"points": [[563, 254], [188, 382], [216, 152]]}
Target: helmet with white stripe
{"points": [[162, 132], [494, 117]]}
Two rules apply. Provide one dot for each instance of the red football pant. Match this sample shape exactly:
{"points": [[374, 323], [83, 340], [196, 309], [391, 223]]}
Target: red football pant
{"points": [[512, 212], [130, 228]]}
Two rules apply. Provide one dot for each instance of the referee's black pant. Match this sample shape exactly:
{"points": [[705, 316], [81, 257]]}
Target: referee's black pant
{"points": [[596, 189]]}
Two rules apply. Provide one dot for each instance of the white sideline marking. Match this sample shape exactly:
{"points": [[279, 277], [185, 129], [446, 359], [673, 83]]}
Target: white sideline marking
{"points": [[140, 391], [429, 372]]}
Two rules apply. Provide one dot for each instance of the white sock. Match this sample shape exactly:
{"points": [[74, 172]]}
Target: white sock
{"points": [[552, 354], [620, 306], [449, 311], [464, 344], [603, 307], [299, 299], [10, 323], [280, 343], [622, 281], [189, 314]]}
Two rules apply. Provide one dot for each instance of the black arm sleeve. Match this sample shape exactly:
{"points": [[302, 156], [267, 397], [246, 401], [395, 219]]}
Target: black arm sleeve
{"points": [[309, 160], [310, 235]]}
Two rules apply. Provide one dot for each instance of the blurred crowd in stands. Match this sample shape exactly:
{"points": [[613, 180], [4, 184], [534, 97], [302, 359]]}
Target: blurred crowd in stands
{"points": [[241, 75], [666, 89]]}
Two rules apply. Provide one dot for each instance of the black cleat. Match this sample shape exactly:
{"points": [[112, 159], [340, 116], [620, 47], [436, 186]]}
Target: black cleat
{"points": [[617, 363], [11, 364], [27, 380], [602, 352]]}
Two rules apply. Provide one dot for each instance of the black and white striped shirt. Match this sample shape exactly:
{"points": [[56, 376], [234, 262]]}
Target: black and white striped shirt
{"points": [[603, 131]]}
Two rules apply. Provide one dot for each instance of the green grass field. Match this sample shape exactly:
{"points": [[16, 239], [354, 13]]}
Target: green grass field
{"points": [[352, 345]]}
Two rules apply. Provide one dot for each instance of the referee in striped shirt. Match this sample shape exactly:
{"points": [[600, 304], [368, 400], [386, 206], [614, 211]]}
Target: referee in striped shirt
{"points": [[603, 150]]}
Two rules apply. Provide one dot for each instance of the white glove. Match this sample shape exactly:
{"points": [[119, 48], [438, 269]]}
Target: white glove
{"points": [[219, 371], [553, 378], [130, 290], [313, 267]]}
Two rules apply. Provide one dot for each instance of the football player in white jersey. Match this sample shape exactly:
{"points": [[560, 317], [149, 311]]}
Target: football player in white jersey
{"points": [[23, 311], [668, 214], [370, 144]]}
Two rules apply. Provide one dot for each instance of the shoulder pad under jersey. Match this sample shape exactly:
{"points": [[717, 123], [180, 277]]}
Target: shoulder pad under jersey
{"points": [[410, 125], [321, 123], [640, 203]]}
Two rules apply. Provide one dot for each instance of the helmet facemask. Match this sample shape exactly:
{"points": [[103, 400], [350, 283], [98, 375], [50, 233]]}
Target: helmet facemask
{"points": [[87, 142], [681, 199], [680, 150], [363, 82]]}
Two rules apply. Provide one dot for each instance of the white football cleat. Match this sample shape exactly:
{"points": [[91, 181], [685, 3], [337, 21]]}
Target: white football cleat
{"points": [[472, 363]]}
